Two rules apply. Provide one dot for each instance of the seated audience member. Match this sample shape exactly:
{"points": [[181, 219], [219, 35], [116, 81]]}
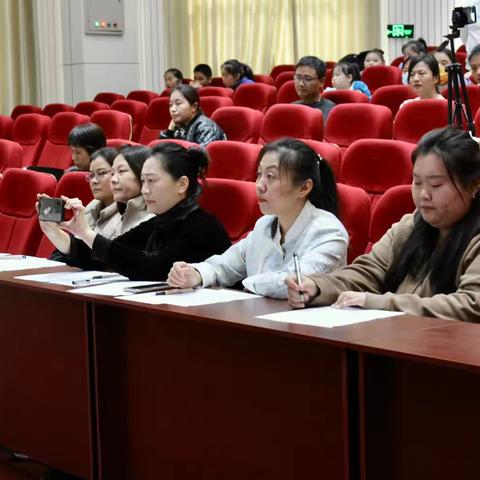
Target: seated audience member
{"points": [[202, 76], [374, 57], [235, 73], [405, 67], [188, 121], [424, 75], [346, 76], [297, 194], [413, 48], [429, 262], [83, 140], [444, 57], [173, 77], [118, 205], [179, 230], [474, 62], [309, 80]]}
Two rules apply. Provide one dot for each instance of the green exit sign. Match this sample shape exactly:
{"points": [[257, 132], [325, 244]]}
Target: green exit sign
{"points": [[399, 30]]}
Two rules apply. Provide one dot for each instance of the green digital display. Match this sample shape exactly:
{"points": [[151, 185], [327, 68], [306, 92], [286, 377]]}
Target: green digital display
{"points": [[399, 30]]}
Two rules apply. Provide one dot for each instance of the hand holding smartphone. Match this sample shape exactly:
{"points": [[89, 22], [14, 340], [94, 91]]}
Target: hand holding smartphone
{"points": [[51, 209]]}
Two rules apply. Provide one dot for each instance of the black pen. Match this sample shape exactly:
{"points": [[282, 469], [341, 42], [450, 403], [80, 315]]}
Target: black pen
{"points": [[92, 279], [176, 290], [298, 272]]}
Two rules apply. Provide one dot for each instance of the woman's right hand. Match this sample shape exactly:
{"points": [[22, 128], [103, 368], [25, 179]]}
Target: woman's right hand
{"points": [[183, 275], [47, 228], [301, 295]]}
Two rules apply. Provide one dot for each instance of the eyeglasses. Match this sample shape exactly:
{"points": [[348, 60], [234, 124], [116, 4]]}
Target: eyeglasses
{"points": [[304, 78], [97, 175]]}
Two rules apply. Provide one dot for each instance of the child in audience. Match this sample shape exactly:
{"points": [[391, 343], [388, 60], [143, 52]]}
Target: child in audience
{"points": [[235, 73], [346, 76], [179, 229], [474, 62], [429, 262], [297, 194], [83, 140], [188, 121], [202, 76], [173, 77], [374, 57]]}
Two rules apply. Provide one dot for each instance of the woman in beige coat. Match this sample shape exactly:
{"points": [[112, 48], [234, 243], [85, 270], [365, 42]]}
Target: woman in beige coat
{"points": [[429, 262]]}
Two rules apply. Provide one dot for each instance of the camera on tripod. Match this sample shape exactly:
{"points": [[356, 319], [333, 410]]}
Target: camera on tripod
{"points": [[462, 16]]}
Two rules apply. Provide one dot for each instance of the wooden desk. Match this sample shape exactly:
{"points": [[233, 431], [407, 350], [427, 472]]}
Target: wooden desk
{"points": [[420, 397]]}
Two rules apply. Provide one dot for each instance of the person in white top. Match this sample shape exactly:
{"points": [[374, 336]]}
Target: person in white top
{"points": [[297, 194]]}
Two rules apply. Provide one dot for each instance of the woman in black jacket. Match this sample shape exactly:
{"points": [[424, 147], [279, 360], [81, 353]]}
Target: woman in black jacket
{"points": [[179, 230]]}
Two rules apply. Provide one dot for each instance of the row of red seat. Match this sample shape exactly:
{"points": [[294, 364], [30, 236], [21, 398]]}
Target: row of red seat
{"points": [[20, 232]]}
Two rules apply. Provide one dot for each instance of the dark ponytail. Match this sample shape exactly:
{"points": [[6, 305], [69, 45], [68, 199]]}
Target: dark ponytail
{"points": [[234, 67], [179, 161], [300, 162]]}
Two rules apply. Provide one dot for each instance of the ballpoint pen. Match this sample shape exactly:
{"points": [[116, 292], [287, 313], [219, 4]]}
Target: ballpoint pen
{"points": [[13, 257], [176, 290], [92, 279], [298, 272]]}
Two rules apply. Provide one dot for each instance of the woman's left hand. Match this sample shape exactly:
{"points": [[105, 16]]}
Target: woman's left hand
{"points": [[77, 225], [350, 299]]}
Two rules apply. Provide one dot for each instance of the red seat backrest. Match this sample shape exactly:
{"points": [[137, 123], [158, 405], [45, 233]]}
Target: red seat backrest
{"points": [[381, 75], [208, 105], [56, 152], [87, 108], [137, 110], [118, 143], [6, 125], [329, 152], [354, 206], [390, 208], [145, 96], [473, 94], [223, 196], [397, 61], [217, 82], [108, 97], [235, 160], [277, 69], [178, 141], [267, 79], [297, 121], [345, 96], [115, 124], [392, 96], [418, 117], [377, 165], [157, 119], [22, 109], [30, 131], [259, 96], [53, 108], [10, 155], [239, 123], [211, 91], [351, 121], [283, 77], [287, 93], [19, 228]]}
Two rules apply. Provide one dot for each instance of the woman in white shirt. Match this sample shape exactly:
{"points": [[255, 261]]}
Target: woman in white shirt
{"points": [[297, 194]]}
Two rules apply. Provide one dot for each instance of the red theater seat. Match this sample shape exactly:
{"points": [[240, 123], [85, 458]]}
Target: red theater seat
{"points": [[53, 108], [22, 109], [267, 79], [377, 165], [6, 125], [183, 143], [119, 143], [397, 61], [30, 131], [19, 228], [392, 96], [297, 121], [87, 108], [215, 91], [209, 105], [157, 119], [381, 75], [354, 206], [239, 123], [473, 94], [56, 152], [255, 95], [115, 124], [10, 155], [287, 93], [137, 110], [416, 118], [145, 96], [222, 196], [390, 208], [351, 121], [345, 96], [283, 78], [329, 152], [217, 82], [108, 97], [277, 69], [235, 160]]}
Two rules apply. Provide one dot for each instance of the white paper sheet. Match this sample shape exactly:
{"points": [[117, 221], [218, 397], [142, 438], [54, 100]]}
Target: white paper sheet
{"points": [[329, 317], [203, 296], [75, 279], [114, 289], [20, 262]]}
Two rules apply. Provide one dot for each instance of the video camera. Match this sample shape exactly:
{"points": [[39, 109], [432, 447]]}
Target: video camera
{"points": [[462, 16]]}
